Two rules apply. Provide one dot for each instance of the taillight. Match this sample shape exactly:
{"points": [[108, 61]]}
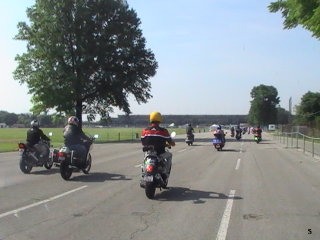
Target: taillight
{"points": [[60, 154], [149, 168], [22, 145]]}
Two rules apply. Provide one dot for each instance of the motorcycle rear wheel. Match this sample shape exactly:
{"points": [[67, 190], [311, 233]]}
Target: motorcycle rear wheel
{"points": [[65, 170], [150, 190], [88, 165], [25, 167]]}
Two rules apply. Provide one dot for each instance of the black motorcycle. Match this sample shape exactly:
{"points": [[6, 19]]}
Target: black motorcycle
{"points": [[189, 139], [69, 160], [238, 135], [35, 156]]}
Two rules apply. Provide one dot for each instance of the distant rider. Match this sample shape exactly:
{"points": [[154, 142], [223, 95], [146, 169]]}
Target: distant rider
{"points": [[75, 138], [159, 138], [238, 131], [219, 133], [257, 131], [232, 131], [190, 131]]}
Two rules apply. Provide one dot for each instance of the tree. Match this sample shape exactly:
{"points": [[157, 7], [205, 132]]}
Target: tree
{"points": [[11, 119], [84, 56], [299, 12], [263, 109], [309, 108], [283, 116]]}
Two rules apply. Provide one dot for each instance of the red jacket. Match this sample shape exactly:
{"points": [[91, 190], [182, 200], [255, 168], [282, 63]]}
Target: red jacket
{"points": [[156, 136]]}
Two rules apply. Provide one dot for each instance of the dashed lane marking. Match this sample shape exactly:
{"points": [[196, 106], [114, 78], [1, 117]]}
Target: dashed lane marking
{"points": [[16, 211], [223, 229], [238, 164]]}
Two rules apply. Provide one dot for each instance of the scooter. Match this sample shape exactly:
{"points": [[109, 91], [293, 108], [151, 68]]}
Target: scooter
{"points": [[257, 138], [154, 174]]}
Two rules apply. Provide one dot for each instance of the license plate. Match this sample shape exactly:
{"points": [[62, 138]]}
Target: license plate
{"points": [[21, 150], [148, 178]]}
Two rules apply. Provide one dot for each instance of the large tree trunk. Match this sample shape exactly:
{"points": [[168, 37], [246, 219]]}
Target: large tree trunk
{"points": [[79, 112]]}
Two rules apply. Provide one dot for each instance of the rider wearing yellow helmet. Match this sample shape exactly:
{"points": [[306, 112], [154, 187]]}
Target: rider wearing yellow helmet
{"points": [[158, 137]]}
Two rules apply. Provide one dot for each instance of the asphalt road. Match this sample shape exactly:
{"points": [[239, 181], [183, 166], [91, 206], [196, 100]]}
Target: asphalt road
{"points": [[248, 191]]}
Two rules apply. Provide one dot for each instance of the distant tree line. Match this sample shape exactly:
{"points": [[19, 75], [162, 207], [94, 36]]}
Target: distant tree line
{"points": [[24, 119]]}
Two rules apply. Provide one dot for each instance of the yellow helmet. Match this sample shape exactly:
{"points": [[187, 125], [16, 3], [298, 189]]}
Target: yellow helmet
{"points": [[155, 117]]}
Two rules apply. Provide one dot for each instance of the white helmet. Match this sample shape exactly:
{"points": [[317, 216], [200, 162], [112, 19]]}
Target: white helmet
{"points": [[73, 120], [35, 123]]}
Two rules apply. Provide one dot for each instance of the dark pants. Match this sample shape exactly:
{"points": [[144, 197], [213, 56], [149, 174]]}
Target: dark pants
{"points": [[80, 151]]}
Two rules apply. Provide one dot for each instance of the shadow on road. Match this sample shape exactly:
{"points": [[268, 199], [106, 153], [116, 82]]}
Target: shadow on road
{"points": [[100, 177], [46, 171], [187, 194]]}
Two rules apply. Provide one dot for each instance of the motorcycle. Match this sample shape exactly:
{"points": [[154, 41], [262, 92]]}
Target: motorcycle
{"points": [[190, 139], [36, 156], [154, 174], [68, 160], [238, 135], [218, 142], [257, 138], [232, 133]]}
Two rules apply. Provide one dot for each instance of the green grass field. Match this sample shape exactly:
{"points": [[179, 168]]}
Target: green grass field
{"points": [[10, 137]]}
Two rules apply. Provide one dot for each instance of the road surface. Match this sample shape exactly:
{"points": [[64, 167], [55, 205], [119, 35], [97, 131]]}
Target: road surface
{"points": [[247, 191]]}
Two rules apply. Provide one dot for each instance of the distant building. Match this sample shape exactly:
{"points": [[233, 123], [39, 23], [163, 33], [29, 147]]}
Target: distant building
{"points": [[3, 125]]}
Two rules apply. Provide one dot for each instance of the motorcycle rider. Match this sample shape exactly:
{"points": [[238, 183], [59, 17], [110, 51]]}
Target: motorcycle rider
{"points": [[257, 131], [75, 138], [158, 137], [238, 131], [190, 131], [34, 135], [232, 131], [219, 133]]}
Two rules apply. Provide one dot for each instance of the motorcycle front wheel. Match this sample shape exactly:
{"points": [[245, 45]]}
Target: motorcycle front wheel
{"points": [[49, 163], [150, 189], [25, 167], [65, 170]]}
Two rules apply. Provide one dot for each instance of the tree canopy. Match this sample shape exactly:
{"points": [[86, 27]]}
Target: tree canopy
{"points": [[264, 103], [299, 12], [309, 108], [84, 56]]}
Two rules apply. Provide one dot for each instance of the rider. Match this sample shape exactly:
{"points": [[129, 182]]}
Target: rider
{"points": [[34, 135], [158, 137], [219, 133], [257, 131], [74, 137], [189, 131], [232, 131]]}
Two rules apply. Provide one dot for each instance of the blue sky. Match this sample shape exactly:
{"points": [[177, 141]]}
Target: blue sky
{"points": [[211, 53]]}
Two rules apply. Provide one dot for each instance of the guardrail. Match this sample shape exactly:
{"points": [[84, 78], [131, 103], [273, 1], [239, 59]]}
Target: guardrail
{"points": [[299, 140]]}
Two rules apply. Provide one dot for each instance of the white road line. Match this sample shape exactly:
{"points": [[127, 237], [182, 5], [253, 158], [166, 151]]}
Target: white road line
{"points": [[139, 165], [222, 233], [16, 211], [182, 150], [238, 164]]}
